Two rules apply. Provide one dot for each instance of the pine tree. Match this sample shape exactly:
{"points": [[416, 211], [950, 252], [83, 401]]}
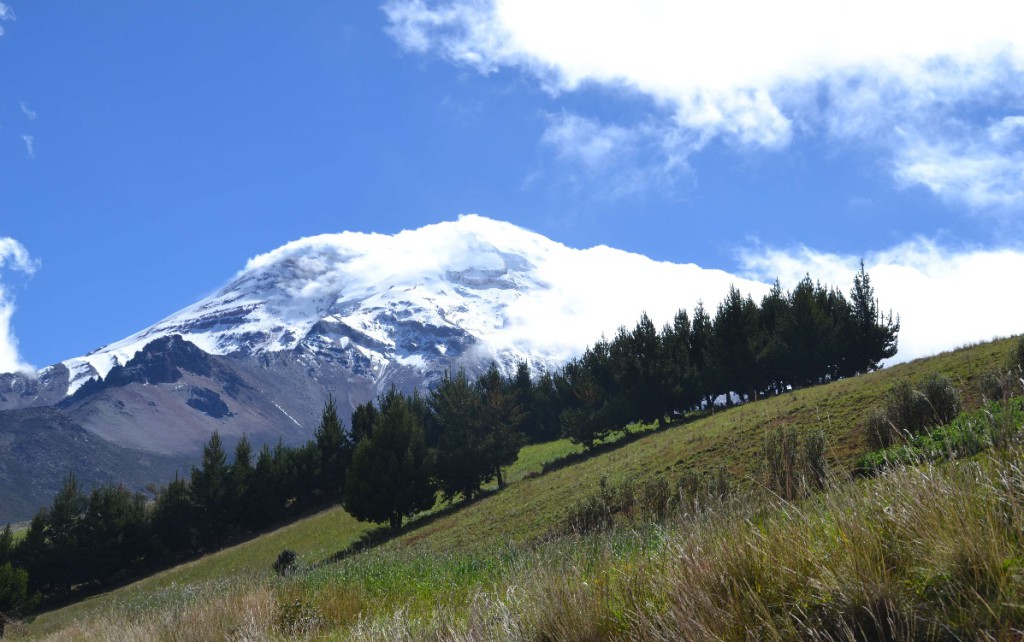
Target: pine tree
{"points": [[363, 418], [389, 477], [334, 450], [209, 488], [735, 326], [33, 551], [544, 409], [703, 357], [501, 415], [63, 532], [808, 333], [459, 461], [523, 388], [771, 345], [678, 383], [874, 336], [265, 499], [583, 419], [174, 517], [113, 535], [240, 478]]}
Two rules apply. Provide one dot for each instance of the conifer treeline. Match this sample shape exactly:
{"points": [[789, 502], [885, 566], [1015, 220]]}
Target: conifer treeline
{"points": [[802, 337], [86, 541]]}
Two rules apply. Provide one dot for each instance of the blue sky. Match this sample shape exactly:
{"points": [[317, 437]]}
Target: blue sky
{"points": [[147, 150]]}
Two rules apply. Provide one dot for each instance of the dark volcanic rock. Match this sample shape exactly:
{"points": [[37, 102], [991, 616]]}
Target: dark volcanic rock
{"points": [[18, 390], [209, 402], [161, 361]]}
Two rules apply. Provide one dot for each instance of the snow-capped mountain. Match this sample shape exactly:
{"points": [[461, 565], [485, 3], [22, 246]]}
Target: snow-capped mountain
{"points": [[346, 315], [470, 290]]}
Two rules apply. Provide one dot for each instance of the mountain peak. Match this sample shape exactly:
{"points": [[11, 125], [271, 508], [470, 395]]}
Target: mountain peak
{"points": [[454, 293], [359, 292]]}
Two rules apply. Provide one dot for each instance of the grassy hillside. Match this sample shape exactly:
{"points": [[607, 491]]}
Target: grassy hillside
{"points": [[449, 564]]}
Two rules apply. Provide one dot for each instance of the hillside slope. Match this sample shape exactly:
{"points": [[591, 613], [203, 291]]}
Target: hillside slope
{"points": [[534, 505]]}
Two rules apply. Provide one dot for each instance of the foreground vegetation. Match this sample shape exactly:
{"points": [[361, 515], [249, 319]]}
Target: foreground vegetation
{"points": [[917, 553]]}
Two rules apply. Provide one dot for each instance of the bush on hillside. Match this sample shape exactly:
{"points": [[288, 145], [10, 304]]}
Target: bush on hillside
{"points": [[878, 430], [653, 500], [286, 563], [912, 410], [794, 467], [943, 399]]}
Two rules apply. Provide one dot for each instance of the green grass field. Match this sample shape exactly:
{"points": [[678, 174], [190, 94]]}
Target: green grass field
{"points": [[456, 555]]}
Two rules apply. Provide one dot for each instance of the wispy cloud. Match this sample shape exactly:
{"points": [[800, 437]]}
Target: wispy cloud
{"points": [[626, 160], [29, 113], [6, 13], [983, 170], [13, 256], [945, 297], [30, 145], [757, 74]]}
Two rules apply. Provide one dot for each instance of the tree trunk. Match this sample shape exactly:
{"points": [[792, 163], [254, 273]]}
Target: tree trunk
{"points": [[501, 480], [396, 522]]}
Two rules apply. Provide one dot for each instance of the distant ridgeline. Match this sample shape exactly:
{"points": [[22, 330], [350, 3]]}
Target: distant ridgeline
{"points": [[403, 450]]}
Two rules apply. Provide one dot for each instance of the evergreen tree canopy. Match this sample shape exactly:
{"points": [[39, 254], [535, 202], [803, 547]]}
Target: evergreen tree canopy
{"points": [[334, 451], [460, 463], [389, 477], [209, 488]]}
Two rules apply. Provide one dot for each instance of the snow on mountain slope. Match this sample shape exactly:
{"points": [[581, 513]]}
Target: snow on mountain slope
{"points": [[472, 288]]}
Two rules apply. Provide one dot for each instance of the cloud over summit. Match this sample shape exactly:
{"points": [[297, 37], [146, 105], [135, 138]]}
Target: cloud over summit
{"points": [[13, 256]]}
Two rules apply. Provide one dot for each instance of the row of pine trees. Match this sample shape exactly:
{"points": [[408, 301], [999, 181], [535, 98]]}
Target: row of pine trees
{"points": [[403, 451]]}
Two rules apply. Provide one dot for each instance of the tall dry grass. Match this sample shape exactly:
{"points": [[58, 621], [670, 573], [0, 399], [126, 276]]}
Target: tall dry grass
{"points": [[934, 552], [930, 553]]}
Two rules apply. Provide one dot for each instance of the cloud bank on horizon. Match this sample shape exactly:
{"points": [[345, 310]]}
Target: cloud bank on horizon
{"points": [[945, 298], [15, 257], [936, 90]]}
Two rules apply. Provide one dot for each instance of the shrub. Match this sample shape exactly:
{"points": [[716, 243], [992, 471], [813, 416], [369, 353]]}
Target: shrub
{"points": [[655, 498], [780, 458], [943, 399], [286, 562], [594, 513], [994, 384], [910, 411], [906, 408], [813, 461], [879, 430], [793, 467]]}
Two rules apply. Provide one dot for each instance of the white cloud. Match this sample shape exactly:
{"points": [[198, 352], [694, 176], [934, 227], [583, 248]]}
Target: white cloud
{"points": [[587, 141], [29, 113], [945, 297], [6, 13], [13, 256], [980, 166], [627, 159], [754, 73], [30, 145]]}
